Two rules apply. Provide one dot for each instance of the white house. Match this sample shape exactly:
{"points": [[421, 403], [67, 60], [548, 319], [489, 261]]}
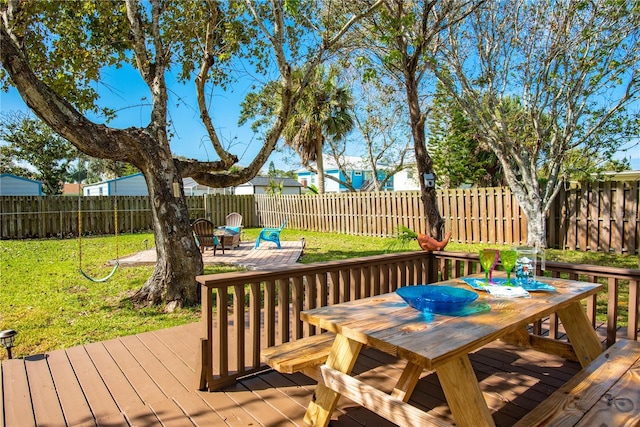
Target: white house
{"points": [[406, 179], [260, 184], [192, 188], [132, 185], [12, 185], [135, 185]]}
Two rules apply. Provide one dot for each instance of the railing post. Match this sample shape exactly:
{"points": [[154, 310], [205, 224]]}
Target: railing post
{"points": [[432, 267], [612, 310], [632, 326], [204, 363]]}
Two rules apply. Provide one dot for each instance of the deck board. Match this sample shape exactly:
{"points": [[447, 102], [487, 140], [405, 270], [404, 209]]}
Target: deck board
{"points": [[15, 384], [145, 387], [229, 410], [149, 379], [264, 413], [1, 399], [160, 366], [44, 397], [73, 401], [95, 390], [123, 393], [142, 416]]}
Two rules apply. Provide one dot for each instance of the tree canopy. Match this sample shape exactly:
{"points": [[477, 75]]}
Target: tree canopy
{"points": [[30, 141], [54, 52], [540, 80]]}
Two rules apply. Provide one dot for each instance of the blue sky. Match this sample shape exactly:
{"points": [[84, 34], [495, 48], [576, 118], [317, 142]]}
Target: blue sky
{"points": [[124, 91]]}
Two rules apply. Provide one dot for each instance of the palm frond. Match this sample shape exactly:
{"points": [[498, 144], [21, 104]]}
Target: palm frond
{"points": [[404, 236]]}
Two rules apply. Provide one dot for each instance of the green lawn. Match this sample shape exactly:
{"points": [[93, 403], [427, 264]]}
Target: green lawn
{"points": [[44, 297]]}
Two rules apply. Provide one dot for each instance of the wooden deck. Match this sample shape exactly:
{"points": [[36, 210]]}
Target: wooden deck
{"points": [[149, 379]]}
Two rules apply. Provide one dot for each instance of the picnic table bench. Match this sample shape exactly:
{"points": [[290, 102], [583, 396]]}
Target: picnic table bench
{"points": [[303, 355], [605, 393]]}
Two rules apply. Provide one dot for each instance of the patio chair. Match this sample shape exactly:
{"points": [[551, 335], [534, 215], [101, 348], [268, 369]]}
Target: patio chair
{"points": [[205, 235], [270, 235], [234, 223]]}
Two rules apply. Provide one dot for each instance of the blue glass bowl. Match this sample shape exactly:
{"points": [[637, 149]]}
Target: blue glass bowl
{"points": [[436, 299]]}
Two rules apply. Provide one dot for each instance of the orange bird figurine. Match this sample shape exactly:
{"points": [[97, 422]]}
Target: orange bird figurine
{"points": [[428, 243]]}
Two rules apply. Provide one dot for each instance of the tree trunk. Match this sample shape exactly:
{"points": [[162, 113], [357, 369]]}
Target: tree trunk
{"points": [[178, 256], [424, 162], [320, 163], [536, 227]]}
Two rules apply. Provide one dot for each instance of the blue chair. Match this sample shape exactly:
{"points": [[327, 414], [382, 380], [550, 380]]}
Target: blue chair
{"points": [[270, 235]]}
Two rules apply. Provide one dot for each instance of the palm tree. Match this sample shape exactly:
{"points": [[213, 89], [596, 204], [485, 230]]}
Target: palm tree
{"points": [[324, 111]]}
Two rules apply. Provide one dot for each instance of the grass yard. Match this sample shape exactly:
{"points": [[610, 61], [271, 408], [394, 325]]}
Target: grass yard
{"points": [[50, 304]]}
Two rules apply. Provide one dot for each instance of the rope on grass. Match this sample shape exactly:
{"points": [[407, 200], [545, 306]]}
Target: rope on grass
{"points": [[115, 214]]}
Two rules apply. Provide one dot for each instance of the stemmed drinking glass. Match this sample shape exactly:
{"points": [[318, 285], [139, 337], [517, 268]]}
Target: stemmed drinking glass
{"points": [[487, 260], [508, 259]]}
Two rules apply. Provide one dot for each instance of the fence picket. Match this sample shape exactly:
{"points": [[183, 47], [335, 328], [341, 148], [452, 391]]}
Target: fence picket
{"points": [[632, 214], [605, 233], [618, 225]]}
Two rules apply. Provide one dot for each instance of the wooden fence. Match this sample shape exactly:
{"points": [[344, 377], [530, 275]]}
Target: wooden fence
{"points": [[595, 216], [601, 216], [57, 216]]}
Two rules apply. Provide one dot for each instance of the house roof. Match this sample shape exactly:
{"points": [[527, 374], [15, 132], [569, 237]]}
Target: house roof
{"points": [[633, 175], [120, 178], [10, 175], [264, 181]]}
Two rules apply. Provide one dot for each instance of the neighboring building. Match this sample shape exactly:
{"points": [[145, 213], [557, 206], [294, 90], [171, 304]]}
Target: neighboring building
{"points": [[135, 185], [631, 175], [360, 175], [406, 179], [260, 184], [192, 188], [132, 185], [71, 189], [12, 185]]}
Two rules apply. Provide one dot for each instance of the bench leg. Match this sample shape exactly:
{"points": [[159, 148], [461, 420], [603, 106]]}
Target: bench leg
{"points": [[580, 332]]}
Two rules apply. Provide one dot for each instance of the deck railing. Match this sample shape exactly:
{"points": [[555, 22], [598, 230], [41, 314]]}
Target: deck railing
{"points": [[247, 311]]}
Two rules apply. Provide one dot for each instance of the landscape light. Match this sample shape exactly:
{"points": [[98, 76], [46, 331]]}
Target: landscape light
{"points": [[6, 339]]}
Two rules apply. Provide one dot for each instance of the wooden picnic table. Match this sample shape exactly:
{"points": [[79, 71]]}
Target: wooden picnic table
{"points": [[441, 343]]}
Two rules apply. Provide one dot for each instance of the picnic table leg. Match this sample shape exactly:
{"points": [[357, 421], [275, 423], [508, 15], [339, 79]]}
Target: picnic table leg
{"points": [[342, 357], [581, 334], [407, 381], [465, 399]]}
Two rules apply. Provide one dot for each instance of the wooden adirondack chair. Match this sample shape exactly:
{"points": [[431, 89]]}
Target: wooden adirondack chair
{"points": [[234, 223], [205, 235]]}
